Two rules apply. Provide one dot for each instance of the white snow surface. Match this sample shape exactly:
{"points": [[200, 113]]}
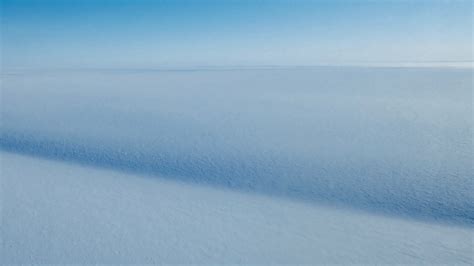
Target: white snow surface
{"points": [[55, 212], [301, 165]]}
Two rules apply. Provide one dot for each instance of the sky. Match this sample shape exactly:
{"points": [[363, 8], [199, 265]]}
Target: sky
{"points": [[146, 33]]}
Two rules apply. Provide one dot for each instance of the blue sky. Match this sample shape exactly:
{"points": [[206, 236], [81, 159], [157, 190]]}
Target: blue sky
{"points": [[120, 33]]}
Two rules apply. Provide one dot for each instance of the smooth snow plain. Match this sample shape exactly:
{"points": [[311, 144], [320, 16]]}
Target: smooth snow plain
{"points": [[302, 165]]}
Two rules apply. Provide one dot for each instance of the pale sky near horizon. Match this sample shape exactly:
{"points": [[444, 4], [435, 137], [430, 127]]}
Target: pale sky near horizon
{"points": [[126, 33]]}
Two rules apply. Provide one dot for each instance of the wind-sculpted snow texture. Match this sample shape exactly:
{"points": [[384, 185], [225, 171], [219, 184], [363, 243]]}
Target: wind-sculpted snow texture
{"points": [[61, 213], [388, 140]]}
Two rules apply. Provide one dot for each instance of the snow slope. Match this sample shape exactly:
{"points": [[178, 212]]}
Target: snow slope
{"points": [[55, 212], [388, 140], [310, 165]]}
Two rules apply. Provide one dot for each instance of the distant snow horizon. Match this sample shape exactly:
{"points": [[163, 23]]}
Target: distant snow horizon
{"points": [[183, 67]]}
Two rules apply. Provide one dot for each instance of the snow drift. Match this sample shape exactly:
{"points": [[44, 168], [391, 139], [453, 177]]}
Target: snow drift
{"points": [[60, 213], [396, 141]]}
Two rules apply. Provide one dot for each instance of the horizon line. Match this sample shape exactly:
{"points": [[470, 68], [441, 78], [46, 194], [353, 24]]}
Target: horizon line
{"points": [[197, 67]]}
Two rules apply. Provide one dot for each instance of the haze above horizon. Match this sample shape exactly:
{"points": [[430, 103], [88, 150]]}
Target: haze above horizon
{"points": [[59, 33]]}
